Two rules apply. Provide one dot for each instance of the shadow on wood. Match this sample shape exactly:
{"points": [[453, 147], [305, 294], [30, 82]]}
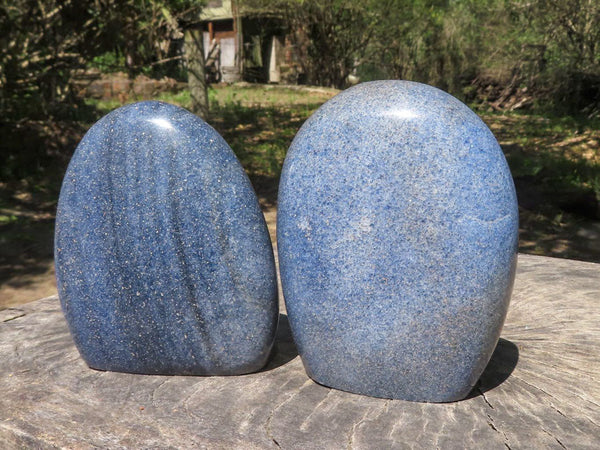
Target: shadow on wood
{"points": [[284, 349], [501, 365]]}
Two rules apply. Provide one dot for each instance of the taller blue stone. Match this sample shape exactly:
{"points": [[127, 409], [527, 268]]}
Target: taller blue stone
{"points": [[163, 259], [397, 233]]}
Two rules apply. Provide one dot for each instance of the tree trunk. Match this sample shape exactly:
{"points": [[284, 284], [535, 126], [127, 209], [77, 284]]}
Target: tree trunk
{"points": [[194, 52]]}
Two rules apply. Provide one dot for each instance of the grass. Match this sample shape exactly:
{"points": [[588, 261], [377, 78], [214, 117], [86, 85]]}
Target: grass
{"points": [[555, 162], [561, 152]]}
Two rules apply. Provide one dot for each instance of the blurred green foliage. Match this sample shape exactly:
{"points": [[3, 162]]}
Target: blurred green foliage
{"points": [[513, 53], [44, 43]]}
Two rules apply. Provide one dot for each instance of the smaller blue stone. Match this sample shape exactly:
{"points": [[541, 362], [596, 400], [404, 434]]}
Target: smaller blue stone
{"points": [[397, 230], [163, 260]]}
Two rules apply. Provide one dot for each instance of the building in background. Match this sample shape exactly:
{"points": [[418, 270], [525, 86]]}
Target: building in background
{"points": [[246, 45]]}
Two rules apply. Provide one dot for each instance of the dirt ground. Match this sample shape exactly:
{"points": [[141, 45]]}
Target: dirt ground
{"points": [[26, 254]]}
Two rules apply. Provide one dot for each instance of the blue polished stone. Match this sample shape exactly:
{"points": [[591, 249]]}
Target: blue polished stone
{"points": [[163, 259], [397, 233]]}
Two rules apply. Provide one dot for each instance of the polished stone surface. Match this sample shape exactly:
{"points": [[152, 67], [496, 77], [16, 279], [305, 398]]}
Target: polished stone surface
{"points": [[164, 263], [397, 234]]}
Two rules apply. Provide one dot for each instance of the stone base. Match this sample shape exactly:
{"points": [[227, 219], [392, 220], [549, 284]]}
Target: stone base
{"points": [[540, 389]]}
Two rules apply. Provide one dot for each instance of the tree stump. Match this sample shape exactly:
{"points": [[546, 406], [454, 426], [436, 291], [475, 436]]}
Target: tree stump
{"points": [[540, 390]]}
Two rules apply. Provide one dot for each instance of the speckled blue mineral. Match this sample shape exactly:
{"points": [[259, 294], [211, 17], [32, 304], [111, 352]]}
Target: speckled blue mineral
{"points": [[397, 233], [164, 264]]}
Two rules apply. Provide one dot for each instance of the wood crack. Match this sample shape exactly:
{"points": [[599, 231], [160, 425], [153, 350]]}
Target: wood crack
{"points": [[557, 400], [315, 409], [154, 402], [554, 437], [363, 419], [491, 422], [274, 410], [497, 430], [14, 318], [485, 398]]}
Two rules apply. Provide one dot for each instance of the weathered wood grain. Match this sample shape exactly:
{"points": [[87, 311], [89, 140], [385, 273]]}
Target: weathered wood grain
{"points": [[540, 390]]}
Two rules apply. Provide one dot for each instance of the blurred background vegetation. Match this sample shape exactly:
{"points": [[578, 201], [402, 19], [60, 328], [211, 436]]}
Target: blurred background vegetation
{"points": [[530, 68]]}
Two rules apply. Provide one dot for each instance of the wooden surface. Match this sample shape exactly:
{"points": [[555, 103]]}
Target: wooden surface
{"points": [[540, 390]]}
